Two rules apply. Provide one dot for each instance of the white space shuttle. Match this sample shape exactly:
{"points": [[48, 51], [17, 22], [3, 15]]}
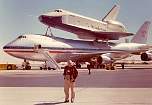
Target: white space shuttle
{"points": [[84, 27]]}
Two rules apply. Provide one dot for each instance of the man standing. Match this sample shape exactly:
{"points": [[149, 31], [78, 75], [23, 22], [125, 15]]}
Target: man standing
{"points": [[89, 67], [70, 74]]}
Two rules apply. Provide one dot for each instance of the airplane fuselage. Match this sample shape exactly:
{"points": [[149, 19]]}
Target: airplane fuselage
{"points": [[59, 48]]}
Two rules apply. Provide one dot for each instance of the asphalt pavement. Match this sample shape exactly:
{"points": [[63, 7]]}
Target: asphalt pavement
{"points": [[132, 86]]}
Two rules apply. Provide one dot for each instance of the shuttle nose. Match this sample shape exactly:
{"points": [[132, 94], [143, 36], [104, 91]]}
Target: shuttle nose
{"points": [[41, 18], [50, 20], [45, 19]]}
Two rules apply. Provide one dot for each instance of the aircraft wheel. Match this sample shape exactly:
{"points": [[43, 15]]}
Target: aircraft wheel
{"points": [[9, 67], [78, 66], [53, 69], [112, 68], [49, 68], [107, 68], [29, 67], [102, 66], [122, 65]]}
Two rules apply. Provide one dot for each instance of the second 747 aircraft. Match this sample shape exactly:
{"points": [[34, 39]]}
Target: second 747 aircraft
{"points": [[56, 49]]}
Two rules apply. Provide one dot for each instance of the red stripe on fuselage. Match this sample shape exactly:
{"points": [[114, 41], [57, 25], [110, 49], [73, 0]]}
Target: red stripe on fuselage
{"points": [[34, 51]]}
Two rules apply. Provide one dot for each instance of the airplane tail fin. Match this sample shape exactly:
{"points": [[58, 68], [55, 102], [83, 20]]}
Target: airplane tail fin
{"points": [[112, 14], [142, 33]]}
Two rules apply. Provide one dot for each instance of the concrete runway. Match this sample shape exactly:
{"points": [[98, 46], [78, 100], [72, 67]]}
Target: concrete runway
{"points": [[132, 86]]}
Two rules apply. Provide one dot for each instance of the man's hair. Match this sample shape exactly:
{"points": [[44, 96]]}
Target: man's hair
{"points": [[69, 62]]}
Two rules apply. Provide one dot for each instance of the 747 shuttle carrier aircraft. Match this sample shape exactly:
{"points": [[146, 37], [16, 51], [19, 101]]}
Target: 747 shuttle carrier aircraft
{"points": [[59, 49]]}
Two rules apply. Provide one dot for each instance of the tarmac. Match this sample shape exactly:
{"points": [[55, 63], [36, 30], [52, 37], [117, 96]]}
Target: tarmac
{"points": [[131, 86]]}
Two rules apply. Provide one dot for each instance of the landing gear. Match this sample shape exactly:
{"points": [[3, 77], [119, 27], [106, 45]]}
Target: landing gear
{"points": [[45, 66], [99, 63], [110, 66], [101, 66], [78, 65], [9, 67], [89, 68], [26, 65], [122, 65]]}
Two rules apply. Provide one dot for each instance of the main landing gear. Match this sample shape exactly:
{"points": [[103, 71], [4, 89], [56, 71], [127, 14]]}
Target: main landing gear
{"points": [[46, 66], [123, 65], [26, 65], [78, 65], [111, 66]]}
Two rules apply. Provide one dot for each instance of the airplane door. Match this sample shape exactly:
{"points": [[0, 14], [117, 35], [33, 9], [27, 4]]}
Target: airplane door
{"points": [[65, 19], [106, 27]]}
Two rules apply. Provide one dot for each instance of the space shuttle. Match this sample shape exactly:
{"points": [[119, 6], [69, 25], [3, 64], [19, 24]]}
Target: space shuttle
{"points": [[86, 28]]}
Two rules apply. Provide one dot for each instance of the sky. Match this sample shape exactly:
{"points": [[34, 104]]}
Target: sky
{"points": [[18, 17]]}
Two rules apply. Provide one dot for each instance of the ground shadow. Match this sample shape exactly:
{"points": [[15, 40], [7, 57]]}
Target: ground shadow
{"points": [[50, 103]]}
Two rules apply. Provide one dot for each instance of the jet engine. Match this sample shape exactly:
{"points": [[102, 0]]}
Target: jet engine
{"points": [[104, 59], [146, 56]]}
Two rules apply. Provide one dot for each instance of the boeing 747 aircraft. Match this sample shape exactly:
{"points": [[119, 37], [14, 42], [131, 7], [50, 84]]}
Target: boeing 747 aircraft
{"points": [[84, 27], [60, 49]]}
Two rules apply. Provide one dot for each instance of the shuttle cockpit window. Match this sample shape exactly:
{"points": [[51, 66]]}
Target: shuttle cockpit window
{"points": [[58, 10], [21, 37]]}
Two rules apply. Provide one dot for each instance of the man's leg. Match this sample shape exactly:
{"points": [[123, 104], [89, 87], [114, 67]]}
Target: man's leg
{"points": [[66, 89], [72, 91]]}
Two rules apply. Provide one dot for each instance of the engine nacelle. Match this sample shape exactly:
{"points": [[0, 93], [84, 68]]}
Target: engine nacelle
{"points": [[104, 59], [146, 56]]}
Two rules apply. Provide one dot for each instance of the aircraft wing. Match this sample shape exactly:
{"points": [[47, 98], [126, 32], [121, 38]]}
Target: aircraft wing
{"points": [[83, 33], [121, 52], [112, 35], [146, 47], [100, 52]]}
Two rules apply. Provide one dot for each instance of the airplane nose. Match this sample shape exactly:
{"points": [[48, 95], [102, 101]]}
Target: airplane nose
{"points": [[5, 47], [8, 46]]}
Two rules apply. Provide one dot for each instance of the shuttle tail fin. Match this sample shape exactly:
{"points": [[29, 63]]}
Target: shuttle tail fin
{"points": [[112, 14], [142, 33]]}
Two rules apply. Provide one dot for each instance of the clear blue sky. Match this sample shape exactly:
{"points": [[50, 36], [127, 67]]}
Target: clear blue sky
{"points": [[20, 16]]}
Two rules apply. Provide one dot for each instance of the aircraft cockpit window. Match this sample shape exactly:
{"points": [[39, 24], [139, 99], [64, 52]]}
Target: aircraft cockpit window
{"points": [[58, 10], [122, 26], [21, 37]]}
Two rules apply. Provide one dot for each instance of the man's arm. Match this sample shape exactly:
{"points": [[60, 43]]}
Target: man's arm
{"points": [[75, 73], [65, 68]]}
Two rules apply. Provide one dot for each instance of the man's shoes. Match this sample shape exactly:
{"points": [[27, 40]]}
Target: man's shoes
{"points": [[72, 100], [66, 101]]}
